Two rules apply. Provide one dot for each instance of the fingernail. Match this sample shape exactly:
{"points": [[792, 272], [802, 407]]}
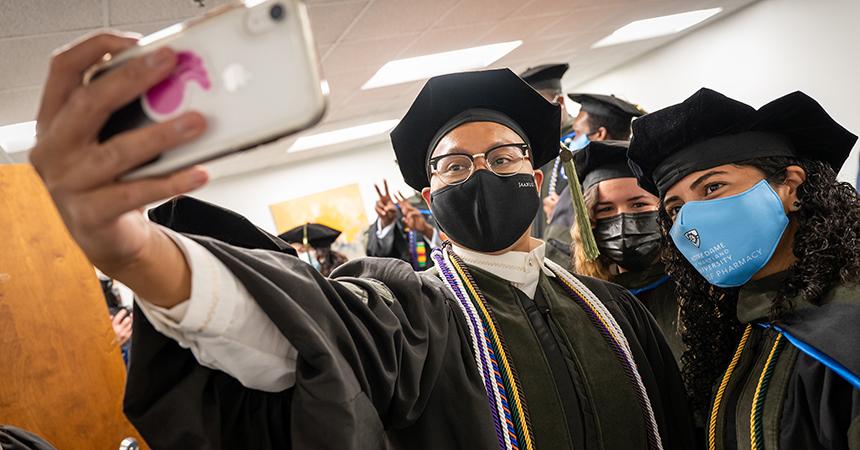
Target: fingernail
{"points": [[158, 58], [199, 177], [187, 125]]}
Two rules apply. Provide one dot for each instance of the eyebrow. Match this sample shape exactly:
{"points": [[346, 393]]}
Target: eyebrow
{"points": [[466, 151], [705, 177], [638, 197]]}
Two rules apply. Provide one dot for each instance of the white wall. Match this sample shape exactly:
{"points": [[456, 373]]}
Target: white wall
{"points": [[756, 55], [251, 194]]}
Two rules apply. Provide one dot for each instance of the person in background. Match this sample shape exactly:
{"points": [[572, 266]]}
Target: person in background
{"points": [[546, 79], [763, 244], [313, 243], [624, 223], [120, 315], [402, 229], [248, 348], [600, 118]]}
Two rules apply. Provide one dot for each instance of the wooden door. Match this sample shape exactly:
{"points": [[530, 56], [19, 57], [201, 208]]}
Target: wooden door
{"points": [[61, 372]]}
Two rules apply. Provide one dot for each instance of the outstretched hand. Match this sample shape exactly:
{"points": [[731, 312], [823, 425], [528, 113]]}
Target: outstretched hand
{"points": [[385, 208], [103, 214]]}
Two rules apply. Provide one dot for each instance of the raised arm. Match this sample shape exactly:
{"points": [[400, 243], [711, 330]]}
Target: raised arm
{"points": [[102, 214]]}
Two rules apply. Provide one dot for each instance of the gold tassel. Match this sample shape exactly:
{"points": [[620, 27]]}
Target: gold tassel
{"points": [[588, 243]]}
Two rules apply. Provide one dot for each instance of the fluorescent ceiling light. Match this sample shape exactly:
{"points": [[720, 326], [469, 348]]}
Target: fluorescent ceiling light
{"points": [[422, 67], [18, 137], [656, 26], [342, 135]]}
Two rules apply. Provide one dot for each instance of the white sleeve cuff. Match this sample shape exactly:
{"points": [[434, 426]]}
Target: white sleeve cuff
{"points": [[223, 325], [381, 233]]}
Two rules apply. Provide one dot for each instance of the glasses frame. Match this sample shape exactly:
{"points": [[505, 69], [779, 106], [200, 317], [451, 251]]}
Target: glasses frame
{"points": [[435, 160]]}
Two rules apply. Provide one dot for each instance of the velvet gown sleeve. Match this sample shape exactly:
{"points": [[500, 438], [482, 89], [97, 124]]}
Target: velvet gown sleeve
{"points": [[371, 342]]}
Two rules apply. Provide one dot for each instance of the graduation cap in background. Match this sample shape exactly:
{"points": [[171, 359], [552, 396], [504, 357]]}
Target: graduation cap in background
{"points": [[709, 129], [189, 215], [312, 234], [600, 161], [607, 105], [545, 76], [497, 95]]}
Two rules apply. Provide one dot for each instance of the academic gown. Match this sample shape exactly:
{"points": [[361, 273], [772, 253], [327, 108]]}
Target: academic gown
{"points": [[557, 232], [657, 292], [540, 223], [385, 362], [395, 244], [804, 401]]}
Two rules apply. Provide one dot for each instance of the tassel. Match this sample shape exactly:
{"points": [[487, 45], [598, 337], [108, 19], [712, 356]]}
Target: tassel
{"points": [[588, 243]]}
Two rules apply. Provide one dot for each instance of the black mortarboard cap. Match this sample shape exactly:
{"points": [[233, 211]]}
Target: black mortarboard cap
{"points": [[603, 160], [189, 215], [447, 96], [709, 129], [607, 105], [318, 235], [545, 76]]}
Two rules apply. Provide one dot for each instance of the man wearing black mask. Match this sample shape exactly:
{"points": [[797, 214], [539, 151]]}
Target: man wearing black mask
{"points": [[239, 348], [624, 223]]}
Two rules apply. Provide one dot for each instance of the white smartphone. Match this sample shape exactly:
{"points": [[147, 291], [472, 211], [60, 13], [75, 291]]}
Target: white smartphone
{"points": [[250, 68]]}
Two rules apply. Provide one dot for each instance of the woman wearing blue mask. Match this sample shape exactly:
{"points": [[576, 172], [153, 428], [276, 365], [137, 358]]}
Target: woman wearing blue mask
{"points": [[764, 246]]}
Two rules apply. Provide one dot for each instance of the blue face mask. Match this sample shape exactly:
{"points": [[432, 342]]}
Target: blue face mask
{"points": [[729, 239], [579, 142], [310, 259]]}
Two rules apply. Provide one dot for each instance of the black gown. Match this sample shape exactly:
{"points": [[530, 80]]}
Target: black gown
{"points": [[385, 362], [396, 245], [803, 402]]}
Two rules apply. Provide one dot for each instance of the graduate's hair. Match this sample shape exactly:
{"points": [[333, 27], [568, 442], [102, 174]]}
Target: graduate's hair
{"points": [[827, 247], [329, 260], [618, 128], [595, 268]]}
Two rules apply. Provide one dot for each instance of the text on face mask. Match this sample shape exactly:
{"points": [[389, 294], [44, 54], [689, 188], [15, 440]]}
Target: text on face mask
{"points": [[718, 261]]}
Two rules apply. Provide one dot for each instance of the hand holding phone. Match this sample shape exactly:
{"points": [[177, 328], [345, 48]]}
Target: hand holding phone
{"points": [[251, 70]]}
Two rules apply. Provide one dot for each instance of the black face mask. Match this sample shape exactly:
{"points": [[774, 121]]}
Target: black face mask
{"points": [[630, 240], [487, 213]]}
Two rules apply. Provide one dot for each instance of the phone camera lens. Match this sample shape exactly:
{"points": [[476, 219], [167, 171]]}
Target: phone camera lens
{"points": [[276, 12]]}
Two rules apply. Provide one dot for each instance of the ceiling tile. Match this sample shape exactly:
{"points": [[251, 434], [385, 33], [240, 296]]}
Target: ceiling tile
{"points": [[373, 53], [329, 20], [29, 17], [137, 11], [398, 17], [443, 40], [517, 29], [19, 105], [476, 12], [30, 57]]}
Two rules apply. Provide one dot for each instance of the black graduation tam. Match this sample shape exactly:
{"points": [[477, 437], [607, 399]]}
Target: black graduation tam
{"points": [[189, 215], [449, 100], [709, 129], [607, 105], [603, 160], [318, 235], [545, 76]]}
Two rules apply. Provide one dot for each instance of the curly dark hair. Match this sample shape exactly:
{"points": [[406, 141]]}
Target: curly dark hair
{"points": [[827, 247]]}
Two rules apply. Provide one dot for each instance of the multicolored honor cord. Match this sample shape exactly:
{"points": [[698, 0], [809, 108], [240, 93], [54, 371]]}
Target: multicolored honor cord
{"points": [[417, 251], [504, 394]]}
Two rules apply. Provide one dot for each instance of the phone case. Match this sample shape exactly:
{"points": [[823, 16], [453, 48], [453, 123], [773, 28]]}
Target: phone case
{"points": [[252, 71]]}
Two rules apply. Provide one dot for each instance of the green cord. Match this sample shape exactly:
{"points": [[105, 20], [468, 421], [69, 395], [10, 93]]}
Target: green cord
{"points": [[582, 219]]}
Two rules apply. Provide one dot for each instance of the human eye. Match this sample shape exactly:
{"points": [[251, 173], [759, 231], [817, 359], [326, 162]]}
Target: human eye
{"points": [[713, 187]]}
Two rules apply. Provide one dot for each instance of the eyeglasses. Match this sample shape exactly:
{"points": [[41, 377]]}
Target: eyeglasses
{"points": [[503, 160]]}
